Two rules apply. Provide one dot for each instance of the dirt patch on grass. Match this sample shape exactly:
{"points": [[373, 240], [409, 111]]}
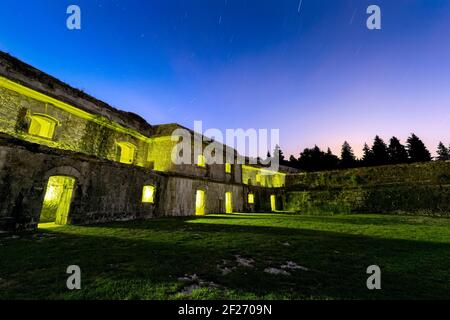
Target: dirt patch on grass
{"points": [[193, 282], [293, 266], [276, 271], [244, 262]]}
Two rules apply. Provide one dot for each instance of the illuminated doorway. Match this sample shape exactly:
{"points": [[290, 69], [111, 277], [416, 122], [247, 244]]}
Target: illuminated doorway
{"points": [[200, 203], [273, 203], [228, 202], [57, 199]]}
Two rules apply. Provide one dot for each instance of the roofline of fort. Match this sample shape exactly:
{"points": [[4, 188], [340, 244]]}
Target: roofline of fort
{"points": [[28, 76]]}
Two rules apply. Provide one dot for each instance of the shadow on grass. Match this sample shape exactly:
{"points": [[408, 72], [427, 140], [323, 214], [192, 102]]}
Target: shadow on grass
{"points": [[143, 260], [281, 222]]}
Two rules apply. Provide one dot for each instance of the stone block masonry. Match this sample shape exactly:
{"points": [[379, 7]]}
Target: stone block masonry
{"points": [[105, 190]]}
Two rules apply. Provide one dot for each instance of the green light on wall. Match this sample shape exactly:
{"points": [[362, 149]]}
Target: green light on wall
{"points": [[228, 202], [273, 203], [201, 160], [200, 203], [227, 167], [11, 85], [159, 153], [42, 126], [251, 198], [263, 177], [148, 194], [57, 199]]}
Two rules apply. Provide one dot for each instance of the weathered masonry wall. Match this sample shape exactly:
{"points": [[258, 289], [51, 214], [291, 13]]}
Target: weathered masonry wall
{"points": [[422, 188], [160, 153], [260, 177], [183, 203], [262, 199], [72, 132], [104, 190], [67, 157], [180, 197], [161, 148], [97, 136]]}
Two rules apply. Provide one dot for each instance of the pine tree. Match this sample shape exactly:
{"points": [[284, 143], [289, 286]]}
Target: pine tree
{"points": [[348, 159], [293, 162], [330, 161], [316, 160], [443, 152], [417, 150], [279, 152], [397, 152], [306, 160], [380, 151], [367, 159]]}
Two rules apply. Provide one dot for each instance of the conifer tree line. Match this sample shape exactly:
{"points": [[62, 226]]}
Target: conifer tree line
{"points": [[378, 154]]}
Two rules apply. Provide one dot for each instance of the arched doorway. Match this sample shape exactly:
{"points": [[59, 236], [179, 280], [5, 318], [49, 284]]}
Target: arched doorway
{"points": [[57, 200]]}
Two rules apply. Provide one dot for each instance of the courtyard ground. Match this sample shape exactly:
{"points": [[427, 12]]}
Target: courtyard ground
{"points": [[237, 256]]}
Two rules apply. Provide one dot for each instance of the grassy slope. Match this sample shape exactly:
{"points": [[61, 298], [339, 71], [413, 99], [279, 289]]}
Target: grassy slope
{"points": [[144, 259]]}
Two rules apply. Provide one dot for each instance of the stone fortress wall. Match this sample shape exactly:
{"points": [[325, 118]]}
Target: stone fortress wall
{"points": [[73, 157], [49, 129]]}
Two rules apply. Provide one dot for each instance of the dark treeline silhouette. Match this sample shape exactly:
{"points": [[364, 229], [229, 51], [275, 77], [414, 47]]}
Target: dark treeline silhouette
{"points": [[380, 153]]}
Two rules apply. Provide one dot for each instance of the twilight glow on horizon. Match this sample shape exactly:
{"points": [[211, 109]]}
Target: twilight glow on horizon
{"points": [[310, 68]]}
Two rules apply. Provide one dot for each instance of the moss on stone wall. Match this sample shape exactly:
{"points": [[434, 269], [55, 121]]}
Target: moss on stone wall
{"points": [[97, 140], [21, 121], [423, 173], [160, 153], [422, 188], [72, 132]]}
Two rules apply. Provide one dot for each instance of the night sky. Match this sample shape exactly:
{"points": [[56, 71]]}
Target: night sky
{"points": [[310, 68]]}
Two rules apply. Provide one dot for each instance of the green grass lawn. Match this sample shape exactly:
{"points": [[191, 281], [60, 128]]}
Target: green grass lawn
{"points": [[148, 259]]}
